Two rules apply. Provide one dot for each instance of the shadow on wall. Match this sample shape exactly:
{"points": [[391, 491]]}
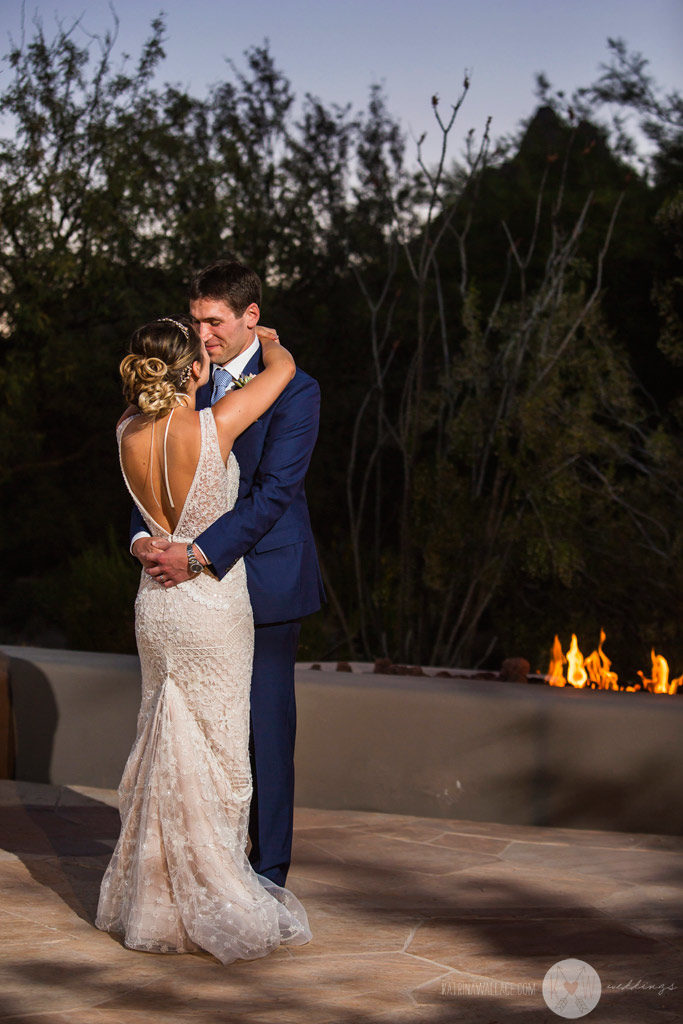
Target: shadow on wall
{"points": [[6, 722], [28, 723]]}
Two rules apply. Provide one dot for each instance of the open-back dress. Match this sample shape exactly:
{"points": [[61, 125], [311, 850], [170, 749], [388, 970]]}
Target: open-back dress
{"points": [[179, 879]]}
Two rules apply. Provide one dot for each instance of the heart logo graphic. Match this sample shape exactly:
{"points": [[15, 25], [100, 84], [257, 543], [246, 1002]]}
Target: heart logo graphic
{"points": [[575, 998]]}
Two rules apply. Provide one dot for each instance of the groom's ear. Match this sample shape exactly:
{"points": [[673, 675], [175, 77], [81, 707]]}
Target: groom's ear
{"points": [[252, 314]]}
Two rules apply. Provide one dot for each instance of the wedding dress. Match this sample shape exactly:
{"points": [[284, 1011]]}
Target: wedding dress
{"points": [[179, 879]]}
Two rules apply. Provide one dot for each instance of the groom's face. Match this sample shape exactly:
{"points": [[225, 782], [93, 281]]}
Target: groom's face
{"points": [[224, 335]]}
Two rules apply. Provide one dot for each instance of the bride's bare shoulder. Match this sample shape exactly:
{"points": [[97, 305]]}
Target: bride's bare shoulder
{"points": [[131, 411], [183, 423], [184, 419]]}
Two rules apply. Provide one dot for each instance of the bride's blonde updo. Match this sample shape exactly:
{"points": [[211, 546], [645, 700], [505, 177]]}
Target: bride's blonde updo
{"points": [[158, 368]]}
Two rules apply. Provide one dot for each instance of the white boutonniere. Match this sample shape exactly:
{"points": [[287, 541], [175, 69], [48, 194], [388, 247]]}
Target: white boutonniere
{"points": [[243, 379]]}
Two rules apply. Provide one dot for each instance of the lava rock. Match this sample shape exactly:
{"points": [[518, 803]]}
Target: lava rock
{"points": [[515, 670]]}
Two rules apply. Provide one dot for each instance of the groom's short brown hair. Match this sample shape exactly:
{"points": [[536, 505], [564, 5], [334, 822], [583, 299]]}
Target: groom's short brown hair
{"points": [[227, 281]]}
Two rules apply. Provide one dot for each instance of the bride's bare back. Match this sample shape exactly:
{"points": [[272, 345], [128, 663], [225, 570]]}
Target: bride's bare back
{"points": [[159, 459]]}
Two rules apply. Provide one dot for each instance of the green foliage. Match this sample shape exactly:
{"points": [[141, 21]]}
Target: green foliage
{"points": [[500, 443], [95, 599]]}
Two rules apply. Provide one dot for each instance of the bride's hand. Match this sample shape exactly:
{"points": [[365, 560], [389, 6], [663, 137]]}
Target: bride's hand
{"points": [[275, 354], [267, 334]]}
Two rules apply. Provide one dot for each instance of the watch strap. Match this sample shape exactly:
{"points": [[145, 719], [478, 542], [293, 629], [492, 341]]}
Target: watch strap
{"points": [[193, 563]]}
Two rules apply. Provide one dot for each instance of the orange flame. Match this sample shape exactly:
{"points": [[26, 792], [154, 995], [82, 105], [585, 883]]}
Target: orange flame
{"points": [[557, 660], [599, 665], [576, 673], [659, 683]]}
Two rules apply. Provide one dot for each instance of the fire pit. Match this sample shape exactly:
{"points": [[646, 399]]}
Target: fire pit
{"points": [[473, 746], [591, 673], [478, 749]]}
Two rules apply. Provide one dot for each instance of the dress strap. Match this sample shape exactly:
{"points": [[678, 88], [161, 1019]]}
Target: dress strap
{"points": [[168, 488], [151, 464]]}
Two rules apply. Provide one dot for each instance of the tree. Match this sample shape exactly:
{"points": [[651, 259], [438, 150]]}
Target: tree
{"points": [[496, 438], [80, 229], [521, 443]]}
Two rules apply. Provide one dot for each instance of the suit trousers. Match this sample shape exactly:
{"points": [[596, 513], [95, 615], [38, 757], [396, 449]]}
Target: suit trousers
{"points": [[273, 731]]}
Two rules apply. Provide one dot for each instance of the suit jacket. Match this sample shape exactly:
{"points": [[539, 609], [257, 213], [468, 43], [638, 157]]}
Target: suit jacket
{"points": [[270, 525]]}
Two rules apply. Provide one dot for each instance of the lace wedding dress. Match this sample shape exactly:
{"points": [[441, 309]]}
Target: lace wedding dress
{"points": [[179, 879]]}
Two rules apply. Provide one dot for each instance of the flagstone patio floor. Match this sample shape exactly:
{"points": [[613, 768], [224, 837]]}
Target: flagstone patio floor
{"points": [[413, 919]]}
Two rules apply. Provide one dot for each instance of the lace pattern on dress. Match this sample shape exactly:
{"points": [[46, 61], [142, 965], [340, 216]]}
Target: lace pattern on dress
{"points": [[179, 879]]}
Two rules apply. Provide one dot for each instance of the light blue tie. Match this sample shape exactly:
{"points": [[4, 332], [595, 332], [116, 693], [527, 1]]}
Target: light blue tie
{"points": [[222, 382]]}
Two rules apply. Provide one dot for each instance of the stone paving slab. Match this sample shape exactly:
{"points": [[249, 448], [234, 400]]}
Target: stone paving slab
{"points": [[414, 920]]}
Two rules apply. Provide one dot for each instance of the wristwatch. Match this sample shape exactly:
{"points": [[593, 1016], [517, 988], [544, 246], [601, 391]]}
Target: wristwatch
{"points": [[193, 563]]}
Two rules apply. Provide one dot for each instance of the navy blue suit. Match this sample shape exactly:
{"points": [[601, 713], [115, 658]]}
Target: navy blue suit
{"points": [[270, 526]]}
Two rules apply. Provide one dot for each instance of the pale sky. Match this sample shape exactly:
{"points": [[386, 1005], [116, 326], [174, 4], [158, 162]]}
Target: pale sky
{"points": [[336, 48]]}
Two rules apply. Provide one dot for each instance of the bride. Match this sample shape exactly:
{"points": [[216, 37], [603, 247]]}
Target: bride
{"points": [[179, 879]]}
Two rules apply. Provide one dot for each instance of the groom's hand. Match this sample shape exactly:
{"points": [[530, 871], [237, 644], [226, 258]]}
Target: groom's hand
{"points": [[145, 549], [169, 566]]}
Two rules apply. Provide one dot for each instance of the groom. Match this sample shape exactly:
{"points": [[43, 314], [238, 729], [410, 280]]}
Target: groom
{"points": [[269, 526]]}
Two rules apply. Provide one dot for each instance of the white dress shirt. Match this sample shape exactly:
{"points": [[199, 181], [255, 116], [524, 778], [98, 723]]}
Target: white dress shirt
{"points": [[236, 365]]}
